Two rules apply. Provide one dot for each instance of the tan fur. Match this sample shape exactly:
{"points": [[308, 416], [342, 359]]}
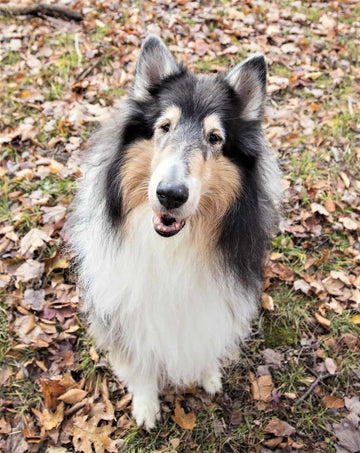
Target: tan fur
{"points": [[221, 183], [135, 175], [172, 114], [212, 123]]}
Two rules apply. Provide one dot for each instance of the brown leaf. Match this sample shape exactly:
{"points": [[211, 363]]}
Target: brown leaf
{"points": [[124, 402], [93, 354], [267, 302], [5, 427], [323, 321], [279, 428], [30, 270], [87, 435], [330, 206], [331, 401], [73, 396], [261, 388], [51, 389], [274, 442], [50, 420], [186, 421], [33, 240]]}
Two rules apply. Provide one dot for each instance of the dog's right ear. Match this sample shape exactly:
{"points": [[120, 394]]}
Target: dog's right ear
{"points": [[154, 64]]}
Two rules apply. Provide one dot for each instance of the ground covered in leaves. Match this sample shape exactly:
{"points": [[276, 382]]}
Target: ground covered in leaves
{"points": [[297, 384]]}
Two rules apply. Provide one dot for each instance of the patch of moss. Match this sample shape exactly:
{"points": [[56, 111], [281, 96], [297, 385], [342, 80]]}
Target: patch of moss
{"points": [[279, 333]]}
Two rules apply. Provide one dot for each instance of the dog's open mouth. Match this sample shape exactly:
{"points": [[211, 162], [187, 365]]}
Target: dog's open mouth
{"points": [[167, 226]]}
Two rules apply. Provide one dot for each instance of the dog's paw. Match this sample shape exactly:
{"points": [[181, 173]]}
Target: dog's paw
{"points": [[146, 411], [211, 382]]}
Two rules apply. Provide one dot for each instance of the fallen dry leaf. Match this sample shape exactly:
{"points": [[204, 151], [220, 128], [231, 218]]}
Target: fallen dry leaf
{"points": [[279, 428], [331, 401], [33, 240], [348, 223], [323, 321], [348, 433], [50, 420], [261, 388], [330, 206], [330, 365], [186, 421], [30, 270], [87, 435], [51, 389], [302, 285], [267, 302], [35, 299], [73, 396]]}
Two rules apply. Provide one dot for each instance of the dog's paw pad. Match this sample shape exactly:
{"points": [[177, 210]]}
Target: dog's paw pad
{"points": [[212, 383], [146, 412]]}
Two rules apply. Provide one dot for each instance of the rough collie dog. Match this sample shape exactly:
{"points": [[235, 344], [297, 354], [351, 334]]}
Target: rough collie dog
{"points": [[171, 224]]}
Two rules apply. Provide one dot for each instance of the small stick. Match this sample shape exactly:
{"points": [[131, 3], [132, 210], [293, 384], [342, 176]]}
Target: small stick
{"points": [[77, 48], [43, 9], [87, 71], [313, 385]]}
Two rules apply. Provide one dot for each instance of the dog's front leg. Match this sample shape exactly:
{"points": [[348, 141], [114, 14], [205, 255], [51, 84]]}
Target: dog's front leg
{"points": [[144, 387], [211, 380]]}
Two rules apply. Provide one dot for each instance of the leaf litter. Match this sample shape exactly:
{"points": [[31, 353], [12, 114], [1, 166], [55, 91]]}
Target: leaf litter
{"points": [[58, 80]]}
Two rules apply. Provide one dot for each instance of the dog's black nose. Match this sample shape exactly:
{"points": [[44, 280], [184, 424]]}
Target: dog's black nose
{"points": [[172, 196]]}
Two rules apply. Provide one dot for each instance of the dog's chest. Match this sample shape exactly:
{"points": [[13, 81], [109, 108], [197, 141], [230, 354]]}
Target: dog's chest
{"points": [[168, 303]]}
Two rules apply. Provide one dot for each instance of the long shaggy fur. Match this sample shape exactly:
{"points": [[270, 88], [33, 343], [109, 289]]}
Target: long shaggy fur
{"points": [[172, 309]]}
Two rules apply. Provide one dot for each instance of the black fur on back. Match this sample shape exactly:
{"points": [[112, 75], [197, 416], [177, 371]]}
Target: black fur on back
{"points": [[245, 228]]}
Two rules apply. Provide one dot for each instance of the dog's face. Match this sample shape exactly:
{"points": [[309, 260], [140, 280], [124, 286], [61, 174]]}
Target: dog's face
{"points": [[184, 146], [195, 126]]}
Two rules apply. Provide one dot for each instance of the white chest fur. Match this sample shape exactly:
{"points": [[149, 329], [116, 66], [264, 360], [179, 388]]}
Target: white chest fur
{"points": [[172, 312]]}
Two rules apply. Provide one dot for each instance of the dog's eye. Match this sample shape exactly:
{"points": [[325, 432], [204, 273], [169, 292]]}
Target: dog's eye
{"points": [[165, 127], [214, 139]]}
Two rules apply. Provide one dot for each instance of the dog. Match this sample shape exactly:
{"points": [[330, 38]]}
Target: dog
{"points": [[171, 224]]}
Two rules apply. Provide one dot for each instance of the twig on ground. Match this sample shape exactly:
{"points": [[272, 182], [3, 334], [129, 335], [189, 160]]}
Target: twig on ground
{"points": [[42, 9], [87, 71], [320, 378]]}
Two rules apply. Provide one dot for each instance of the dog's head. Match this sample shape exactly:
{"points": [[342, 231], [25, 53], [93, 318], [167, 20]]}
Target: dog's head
{"points": [[200, 130]]}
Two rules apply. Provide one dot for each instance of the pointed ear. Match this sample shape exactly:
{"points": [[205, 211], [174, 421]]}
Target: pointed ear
{"points": [[154, 64], [249, 81]]}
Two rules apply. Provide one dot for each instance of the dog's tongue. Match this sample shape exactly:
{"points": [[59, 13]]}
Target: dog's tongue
{"points": [[167, 224]]}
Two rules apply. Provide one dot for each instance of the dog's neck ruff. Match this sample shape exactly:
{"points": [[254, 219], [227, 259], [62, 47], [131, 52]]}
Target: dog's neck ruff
{"points": [[162, 301]]}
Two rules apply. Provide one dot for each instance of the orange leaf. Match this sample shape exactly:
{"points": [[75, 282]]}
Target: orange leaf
{"points": [[330, 206], [51, 389], [186, 421], [356, 319], [323, 321], [331, 401]]}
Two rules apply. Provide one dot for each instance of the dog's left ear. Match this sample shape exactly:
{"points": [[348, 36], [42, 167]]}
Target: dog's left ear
{"points": [[154, 64], [249, 81]]}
